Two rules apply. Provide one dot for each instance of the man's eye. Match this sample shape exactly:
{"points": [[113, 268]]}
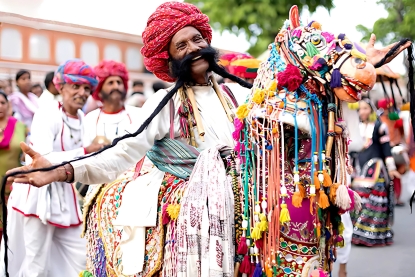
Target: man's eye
{"points": [[197, 39], [75, 86], [181, 47]]}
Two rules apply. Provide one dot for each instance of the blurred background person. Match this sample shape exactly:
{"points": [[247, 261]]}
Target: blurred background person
{"points": [[372, 181], [158, 86], [37, 90], [50, 93], [12, 132], [25, 103], [47, 221], [137, 97]]}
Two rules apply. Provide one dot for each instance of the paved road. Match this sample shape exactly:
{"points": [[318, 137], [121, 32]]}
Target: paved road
{"points": [[397, 260]]}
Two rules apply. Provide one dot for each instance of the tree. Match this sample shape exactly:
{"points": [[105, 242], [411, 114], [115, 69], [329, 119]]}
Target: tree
{"points": [[398, 24], [260, 20]]}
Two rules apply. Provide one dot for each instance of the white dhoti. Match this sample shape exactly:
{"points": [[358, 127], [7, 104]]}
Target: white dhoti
{"points": [[343, 253], [41, 250]]}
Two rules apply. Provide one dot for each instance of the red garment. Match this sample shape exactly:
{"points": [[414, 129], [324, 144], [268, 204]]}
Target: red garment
{"points": [[106, 69], [162, 25]]}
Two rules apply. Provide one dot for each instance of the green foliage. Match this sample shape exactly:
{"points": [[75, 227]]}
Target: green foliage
{"points": [[260, 20], [399, 23]]}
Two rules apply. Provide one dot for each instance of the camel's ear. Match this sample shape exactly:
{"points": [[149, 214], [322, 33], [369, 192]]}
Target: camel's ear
{"points": [[294, 17]]}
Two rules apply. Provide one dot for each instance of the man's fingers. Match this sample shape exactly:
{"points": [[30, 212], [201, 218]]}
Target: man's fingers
{"points": [[372, 40], [21, 180], [27, 150]]}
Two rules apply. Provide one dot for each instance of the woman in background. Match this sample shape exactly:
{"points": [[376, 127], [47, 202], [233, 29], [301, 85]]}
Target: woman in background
{"points": [[12, 132], [372, 225]]}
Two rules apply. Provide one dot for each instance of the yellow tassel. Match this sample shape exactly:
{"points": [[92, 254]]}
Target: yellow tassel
{"points": [[333, 190], [323, 200], [273, 86], [242, 111], [256, 234], [327, 179], [173, 210], [353, 106], [259, 96], [357, 54], [316, 181], [285, 214], [263, 224], [341, 228]]}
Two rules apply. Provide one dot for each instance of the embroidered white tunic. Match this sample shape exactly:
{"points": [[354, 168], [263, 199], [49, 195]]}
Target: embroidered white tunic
{"points": [[59, 138], [106, 166], [109, 125]]}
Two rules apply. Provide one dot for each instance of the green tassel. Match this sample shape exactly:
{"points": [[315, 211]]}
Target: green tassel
{"points": [[274, 269], [393, 116], [320, 214], [311, 49]]}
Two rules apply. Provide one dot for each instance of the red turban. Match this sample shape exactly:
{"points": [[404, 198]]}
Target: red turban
{"points": [[162, 25], [106, 69]]}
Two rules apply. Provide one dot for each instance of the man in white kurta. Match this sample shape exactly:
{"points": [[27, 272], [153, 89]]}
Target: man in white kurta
{"points": [[114, 118], [46, 222]]}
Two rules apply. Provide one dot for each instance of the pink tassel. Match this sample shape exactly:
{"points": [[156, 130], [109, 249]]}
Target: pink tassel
{"points": [[165, 215], [259, 243], [242, 247], [351, 195], [245, 265]]}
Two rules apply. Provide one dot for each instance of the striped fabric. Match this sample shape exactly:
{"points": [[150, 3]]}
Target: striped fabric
{"points": [[173, 156], [177, 158]]}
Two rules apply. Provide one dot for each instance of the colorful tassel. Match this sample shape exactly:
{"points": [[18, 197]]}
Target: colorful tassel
{"points": [[316, 181], [343, 198], [323, 200], [285, 214], [311, 49], [268, 271], [165, 215], [290, 78], [245, 265], [341, 228], [327, 179], [173, 210], [263, 224], [333, 190], [297, 199], [303, 192], [256, 233], [336, 79], [393, 116], [259, 243], [258, 270], [242, 247]]}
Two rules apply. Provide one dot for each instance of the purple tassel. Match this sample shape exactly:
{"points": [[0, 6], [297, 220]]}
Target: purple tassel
{"points": [[336, 79], [341, 36], [258, 270], [348, 46]]}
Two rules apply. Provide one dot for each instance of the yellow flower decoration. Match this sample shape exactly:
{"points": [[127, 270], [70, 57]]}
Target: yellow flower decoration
{"points": [[173, 210], [272, 86], [242, 111], [259, 96]]}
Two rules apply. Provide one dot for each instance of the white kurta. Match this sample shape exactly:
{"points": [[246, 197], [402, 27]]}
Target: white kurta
{"points": [[106, 166], [48, 218], [109, 125]]}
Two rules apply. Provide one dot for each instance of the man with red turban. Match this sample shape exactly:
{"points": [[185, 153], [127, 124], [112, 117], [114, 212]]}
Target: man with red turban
{"points": [[178, 219], [114, 117]]}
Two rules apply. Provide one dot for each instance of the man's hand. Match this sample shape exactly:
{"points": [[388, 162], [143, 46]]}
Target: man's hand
{"points": [[394, 174], [376, 55], [37, 179]]}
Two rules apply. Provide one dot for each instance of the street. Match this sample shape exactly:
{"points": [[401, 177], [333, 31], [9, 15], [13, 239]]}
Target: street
{"points": [[397, 260]]}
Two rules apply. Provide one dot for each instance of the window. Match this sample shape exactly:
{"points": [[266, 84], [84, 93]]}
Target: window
{"points": [[65, 50], [133, 59], [11, 44], [90, 53], [39, 47], [112, 52]]}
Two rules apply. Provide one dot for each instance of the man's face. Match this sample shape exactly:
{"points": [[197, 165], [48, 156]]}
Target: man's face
{"points": [[37, 90], [187, 41], [113, 89], [138, 88]]}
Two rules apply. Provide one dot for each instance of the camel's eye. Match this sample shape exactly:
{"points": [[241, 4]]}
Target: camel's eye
{"points": [[318, 41]]}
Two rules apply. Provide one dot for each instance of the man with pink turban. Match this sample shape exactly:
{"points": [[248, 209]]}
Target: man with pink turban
{"points": [[45, 222], [114, 118], [177, 219]]}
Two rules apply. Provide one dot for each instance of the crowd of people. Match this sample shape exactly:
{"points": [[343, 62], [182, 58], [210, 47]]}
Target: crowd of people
{"points": [[159, 198]]}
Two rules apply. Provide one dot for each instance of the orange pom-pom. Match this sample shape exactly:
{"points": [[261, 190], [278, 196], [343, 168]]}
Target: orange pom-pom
{"points": [[297, 199], [333, 190], [316, 181], [327, 179], [323, 200]]}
